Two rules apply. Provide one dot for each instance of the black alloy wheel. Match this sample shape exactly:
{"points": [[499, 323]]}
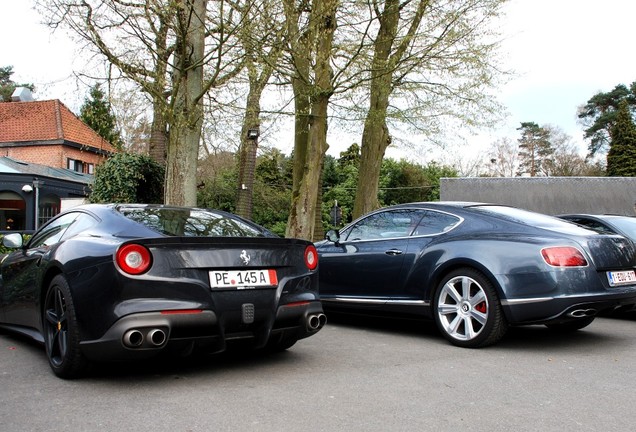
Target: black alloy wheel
{"points": [[61, 332]]}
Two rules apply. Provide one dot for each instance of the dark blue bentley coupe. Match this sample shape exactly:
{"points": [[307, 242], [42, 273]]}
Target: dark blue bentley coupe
{"points": [[475, 269], [116, 282]]}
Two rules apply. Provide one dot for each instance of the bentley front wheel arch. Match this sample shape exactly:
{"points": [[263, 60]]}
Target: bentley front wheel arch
{"points": [[467, 310], [61, 330]]}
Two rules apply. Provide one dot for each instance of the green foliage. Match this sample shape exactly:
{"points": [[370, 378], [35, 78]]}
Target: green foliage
{"points": [[96, 113], [600, 112], [341, 189], [272, 194], [621, 158], [3, 249], [7, 86], [272, 191], [219, 192], [400, 182], [434, 172], [128, 178], [403, 181]]}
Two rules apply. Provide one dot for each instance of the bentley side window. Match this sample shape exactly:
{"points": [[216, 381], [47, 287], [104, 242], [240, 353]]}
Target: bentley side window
{"points": [[435, 223], [385, 225]]}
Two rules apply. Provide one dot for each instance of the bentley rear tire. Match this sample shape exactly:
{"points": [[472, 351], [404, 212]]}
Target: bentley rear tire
{"points": [[571, 326]]}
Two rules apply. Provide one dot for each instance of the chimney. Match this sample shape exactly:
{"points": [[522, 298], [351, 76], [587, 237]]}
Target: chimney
{"points": [[21, 94]]}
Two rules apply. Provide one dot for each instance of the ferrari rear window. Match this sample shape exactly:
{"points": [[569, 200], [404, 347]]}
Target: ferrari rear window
{"points": [[526, 217], [186, 222], [626, 224]]}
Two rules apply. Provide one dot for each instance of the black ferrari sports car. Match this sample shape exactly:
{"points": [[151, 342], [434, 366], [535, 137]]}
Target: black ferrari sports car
{"points": [[119, 282], [475, 269], [605, 224]]}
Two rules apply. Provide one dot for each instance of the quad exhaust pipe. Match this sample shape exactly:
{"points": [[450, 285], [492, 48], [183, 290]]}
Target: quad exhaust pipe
{"points": [[135, 338], [316, 321], [156, 337]]}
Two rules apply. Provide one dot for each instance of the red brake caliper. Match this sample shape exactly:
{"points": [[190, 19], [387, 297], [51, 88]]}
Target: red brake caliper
{"points": [[481, 307]]}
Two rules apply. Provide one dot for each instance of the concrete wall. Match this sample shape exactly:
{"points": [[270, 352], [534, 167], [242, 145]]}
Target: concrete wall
{"points": [[550, 195]]}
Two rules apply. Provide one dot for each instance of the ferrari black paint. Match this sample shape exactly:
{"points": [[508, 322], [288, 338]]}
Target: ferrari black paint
{"points": [[171, 305]]}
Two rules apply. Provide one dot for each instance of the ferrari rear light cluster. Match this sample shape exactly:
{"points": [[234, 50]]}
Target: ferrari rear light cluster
{"points": [[564, 256], [133, 258], [311, 257]]}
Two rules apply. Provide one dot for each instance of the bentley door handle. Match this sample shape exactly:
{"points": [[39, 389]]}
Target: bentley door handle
{"points": [[393, 252]]}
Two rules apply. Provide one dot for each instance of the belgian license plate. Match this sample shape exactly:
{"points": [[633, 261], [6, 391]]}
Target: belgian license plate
{"points": [[621, 277], [242, 279]]}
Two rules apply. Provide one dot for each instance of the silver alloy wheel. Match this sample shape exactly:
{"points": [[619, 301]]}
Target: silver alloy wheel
{"points": [[462, 308]]}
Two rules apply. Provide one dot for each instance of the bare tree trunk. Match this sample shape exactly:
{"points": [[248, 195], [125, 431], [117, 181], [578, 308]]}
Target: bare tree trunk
{"points": [[319, 230], [375, 136], [375, 140], [301, 146], [158, 144], [185, 131], [262, 51], [302, 216], [247, 153]]}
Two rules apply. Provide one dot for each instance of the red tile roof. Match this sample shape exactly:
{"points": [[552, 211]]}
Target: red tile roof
{"points": [[48, 120]]}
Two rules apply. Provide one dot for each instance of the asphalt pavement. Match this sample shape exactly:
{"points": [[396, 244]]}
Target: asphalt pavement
{"points": [[355, 375]]}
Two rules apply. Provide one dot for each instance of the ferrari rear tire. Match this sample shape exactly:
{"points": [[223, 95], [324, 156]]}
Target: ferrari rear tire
{"points": [[61, 331], [467, 310], [281, 342]]}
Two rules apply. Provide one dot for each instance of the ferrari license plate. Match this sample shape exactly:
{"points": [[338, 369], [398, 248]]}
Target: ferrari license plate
{"points": [[242, 279], [621, 277]]}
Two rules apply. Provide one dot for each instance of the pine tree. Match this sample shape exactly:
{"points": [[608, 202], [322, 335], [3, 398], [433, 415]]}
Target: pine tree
{"points": [[621, 158], [534, 148], [7, 86], [96, 113]]}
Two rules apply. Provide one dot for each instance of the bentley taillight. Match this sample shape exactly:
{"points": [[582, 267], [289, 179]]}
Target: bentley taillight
{"points": [[311, 257], [564, 256], [133, 259]]}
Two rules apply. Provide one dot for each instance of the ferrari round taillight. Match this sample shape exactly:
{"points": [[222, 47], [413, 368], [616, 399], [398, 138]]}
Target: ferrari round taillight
{"points": [[133, 258], [311, 257], [564, 256]]}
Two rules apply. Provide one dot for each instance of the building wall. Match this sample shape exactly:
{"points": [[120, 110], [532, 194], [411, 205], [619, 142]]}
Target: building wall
{"points": [[51, 190], [550, 195], [55, 156]]}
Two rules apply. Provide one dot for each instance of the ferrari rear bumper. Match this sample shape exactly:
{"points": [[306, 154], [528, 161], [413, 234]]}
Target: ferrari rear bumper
{"points": [[144, 335]]}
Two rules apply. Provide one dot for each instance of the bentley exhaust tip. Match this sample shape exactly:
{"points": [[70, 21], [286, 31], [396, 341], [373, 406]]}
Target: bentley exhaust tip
{"points": [[157, 337], [582, 313], [133, 338]]}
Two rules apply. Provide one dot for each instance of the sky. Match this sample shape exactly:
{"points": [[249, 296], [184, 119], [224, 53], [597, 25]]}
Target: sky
{"points": [[562, 52]]}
